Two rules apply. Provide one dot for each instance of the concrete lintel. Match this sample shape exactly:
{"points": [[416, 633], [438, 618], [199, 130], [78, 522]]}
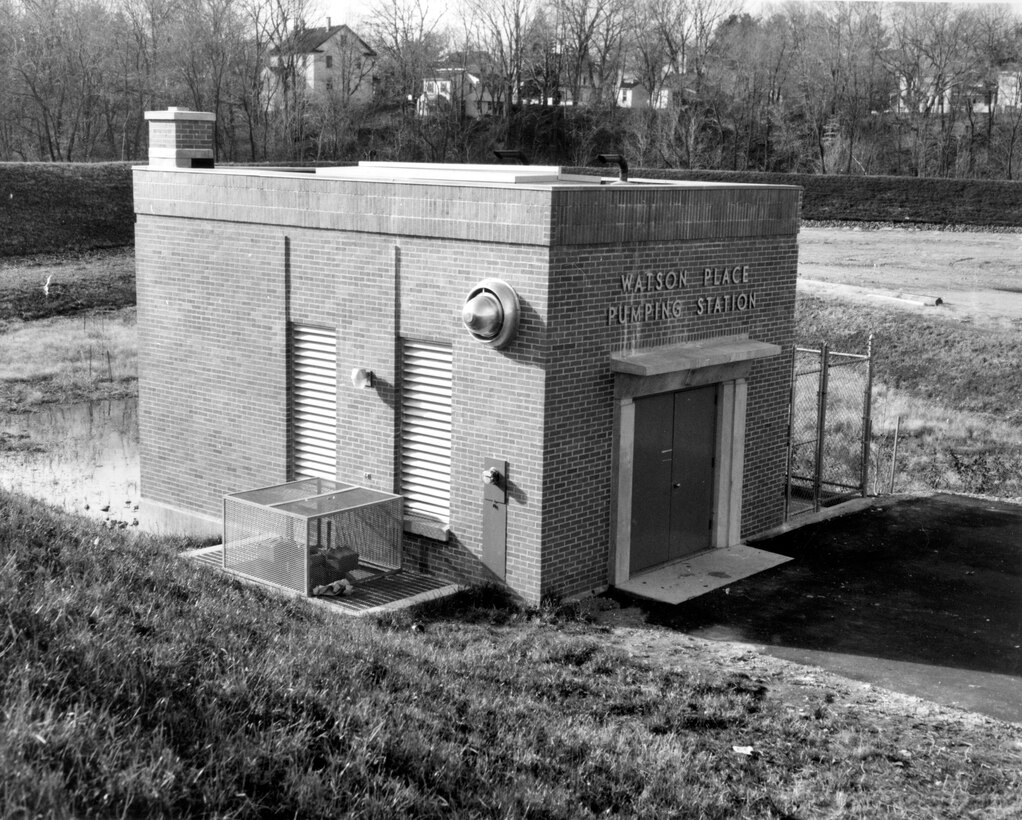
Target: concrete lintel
{"points": [[690, 356]]}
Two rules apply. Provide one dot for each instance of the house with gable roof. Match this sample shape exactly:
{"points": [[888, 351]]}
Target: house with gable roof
{"points": [[325, 60], [457, 85]]}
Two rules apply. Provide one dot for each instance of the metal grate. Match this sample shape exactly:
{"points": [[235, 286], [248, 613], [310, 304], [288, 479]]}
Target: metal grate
{"points": [[426, 428], [309, 533]]}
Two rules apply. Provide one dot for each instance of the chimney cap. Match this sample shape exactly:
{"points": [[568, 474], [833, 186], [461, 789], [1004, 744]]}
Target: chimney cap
{"points": [[176, 113]]}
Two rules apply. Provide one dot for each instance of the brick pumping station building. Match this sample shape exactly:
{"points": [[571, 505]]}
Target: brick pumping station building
{"points": [[561, 383]]}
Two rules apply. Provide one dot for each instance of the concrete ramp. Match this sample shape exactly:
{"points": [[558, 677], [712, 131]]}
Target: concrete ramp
{"points": [[701, 573]]}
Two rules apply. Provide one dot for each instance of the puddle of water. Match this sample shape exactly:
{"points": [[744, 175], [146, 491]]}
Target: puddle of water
{"points": [[75, 456]]}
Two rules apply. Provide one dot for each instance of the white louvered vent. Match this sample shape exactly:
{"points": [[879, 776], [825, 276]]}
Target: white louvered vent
{"points": [[314, 402], [426, 429]]}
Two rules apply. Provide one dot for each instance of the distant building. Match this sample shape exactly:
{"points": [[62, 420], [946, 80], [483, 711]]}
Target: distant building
{"points": [[457, 86], [326, 60], [1004, 94], [1000, 91], [631, 93]]}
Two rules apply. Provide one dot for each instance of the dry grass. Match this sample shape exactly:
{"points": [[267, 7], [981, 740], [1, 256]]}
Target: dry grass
{"points": [[92, 355], [956, 387], [134, 684]]}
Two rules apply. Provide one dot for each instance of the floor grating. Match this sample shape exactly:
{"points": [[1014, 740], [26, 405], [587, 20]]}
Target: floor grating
{"points": [[373, 592]]}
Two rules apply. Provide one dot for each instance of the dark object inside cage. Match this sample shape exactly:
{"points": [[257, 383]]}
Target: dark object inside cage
{"points": [[306, 535]]}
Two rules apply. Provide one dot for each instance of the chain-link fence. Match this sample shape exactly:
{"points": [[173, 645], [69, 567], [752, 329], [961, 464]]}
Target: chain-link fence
{"points": [[828, 445]]}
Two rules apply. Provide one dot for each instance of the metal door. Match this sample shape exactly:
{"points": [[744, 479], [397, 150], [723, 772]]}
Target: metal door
{"points": [[672, 476]]}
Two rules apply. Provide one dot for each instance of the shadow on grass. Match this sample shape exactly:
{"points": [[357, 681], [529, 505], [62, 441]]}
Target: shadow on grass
{"points": [[484, 604]]}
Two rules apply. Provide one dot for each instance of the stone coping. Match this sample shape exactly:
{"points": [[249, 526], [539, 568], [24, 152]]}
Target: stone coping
{"points": [[518, 213], [657, 361], [180, 115], [488, 179]]}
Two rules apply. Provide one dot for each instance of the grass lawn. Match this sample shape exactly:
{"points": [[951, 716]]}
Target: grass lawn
{"points": [[135, 684]]}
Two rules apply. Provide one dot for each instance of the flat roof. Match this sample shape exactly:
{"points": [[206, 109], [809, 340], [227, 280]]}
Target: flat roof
{"points": [[469, 175], [504, 174], [448, 172]]}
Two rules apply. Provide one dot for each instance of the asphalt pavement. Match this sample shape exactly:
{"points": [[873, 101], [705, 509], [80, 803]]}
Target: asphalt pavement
{"points": [[920, 595]]}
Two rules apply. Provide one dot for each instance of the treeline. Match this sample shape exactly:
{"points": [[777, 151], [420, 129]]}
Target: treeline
{"points": [[855, 88]]}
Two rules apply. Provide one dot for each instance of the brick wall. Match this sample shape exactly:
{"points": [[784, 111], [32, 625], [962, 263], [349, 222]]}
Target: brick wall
{"points": [[227, 259], [211, 360], [586, 285], [196, 135], [352, 282]]}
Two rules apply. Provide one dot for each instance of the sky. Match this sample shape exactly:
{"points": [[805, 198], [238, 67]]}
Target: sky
{"points": [[354, 11]]}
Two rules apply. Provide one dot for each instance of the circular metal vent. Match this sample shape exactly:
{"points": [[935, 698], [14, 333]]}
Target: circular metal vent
{"points": [[491, 313]]}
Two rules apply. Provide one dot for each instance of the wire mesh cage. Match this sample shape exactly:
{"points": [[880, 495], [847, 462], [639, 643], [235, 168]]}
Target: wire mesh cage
{"points": [[306, 534]]}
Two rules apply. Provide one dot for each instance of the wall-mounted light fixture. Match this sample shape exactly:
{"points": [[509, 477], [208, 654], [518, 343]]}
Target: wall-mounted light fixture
{"points": [[361, 378], [491, 313]]}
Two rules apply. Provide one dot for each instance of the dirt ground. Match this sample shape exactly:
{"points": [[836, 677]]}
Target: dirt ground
{"points": [[103, 280], [977, 275]]}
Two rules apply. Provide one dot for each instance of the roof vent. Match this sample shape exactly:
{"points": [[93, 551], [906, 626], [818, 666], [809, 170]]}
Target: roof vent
{"points": [[622, 164]]}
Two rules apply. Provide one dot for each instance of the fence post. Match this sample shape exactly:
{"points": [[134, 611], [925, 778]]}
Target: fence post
{"points": [[867, 417], [894, 455], [791, 433], [821, 420]]}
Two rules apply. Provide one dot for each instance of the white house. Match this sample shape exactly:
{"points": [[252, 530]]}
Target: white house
{"points": [[460, 89], [325, 60]]}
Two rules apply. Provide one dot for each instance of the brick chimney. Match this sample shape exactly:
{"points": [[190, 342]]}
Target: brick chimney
{"points": [[179, 138]]}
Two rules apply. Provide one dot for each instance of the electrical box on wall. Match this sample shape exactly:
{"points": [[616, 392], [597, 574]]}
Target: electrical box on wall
{"points": [[495, 516]]}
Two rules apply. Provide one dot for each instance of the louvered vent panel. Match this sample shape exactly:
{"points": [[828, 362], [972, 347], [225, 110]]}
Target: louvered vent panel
{"points": [[426, 429], [314, 402]]}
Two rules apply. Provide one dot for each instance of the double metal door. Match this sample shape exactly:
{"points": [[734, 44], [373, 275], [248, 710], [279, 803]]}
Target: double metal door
{"points": [[672, 476]]}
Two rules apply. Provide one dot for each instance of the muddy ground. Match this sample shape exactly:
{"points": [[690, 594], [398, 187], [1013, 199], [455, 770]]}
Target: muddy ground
{"points": [[977, 275]]}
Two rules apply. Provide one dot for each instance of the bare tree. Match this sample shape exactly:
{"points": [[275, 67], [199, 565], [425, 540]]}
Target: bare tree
{"points": [[501, 28], [588, 34], [409, 40], [658, 37], [932, 63], [59, 60], [283, 24], [11, 136]]}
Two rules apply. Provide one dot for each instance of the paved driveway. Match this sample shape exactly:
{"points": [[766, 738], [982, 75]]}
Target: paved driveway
{"points": [[919, 595]]}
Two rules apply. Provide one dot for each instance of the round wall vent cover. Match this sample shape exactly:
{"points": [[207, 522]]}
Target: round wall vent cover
{"points": [[491, 313]]}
